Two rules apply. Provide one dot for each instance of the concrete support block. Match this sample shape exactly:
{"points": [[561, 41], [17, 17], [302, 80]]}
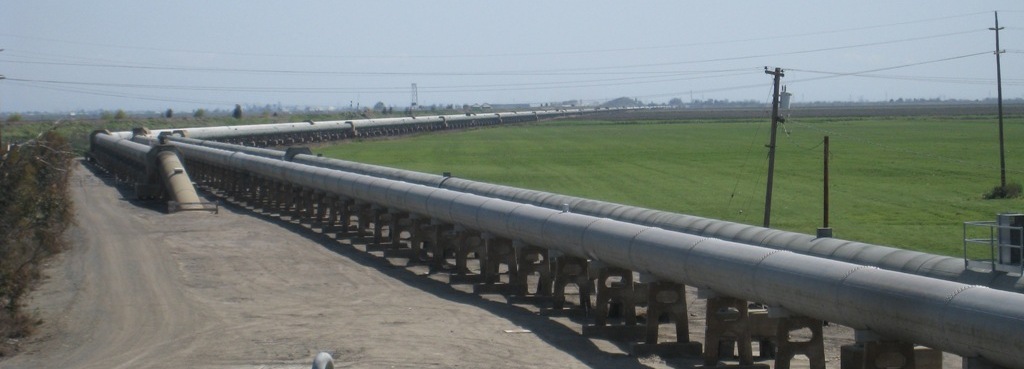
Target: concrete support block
{"points": [[378, 215], [275, 198], [615, 289], [666, 298], [466, 242], [533, 260], [978, 363], [441, 245], [571, 270], [298, 203], [397, 221], [330, 214], [249, 188], [878, 355], [228, 185], [615, 285], [237, 185], [764, 330], [497, 251], [344, 218], [419, 234], [319, 209], [813, 348], [411, 248], [288, 200], [727, 322], [263, 189], [309, 206], [363, 213], [927, 358]]}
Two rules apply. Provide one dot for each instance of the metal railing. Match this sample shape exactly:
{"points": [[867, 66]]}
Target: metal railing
{"points": [[995, 261]]}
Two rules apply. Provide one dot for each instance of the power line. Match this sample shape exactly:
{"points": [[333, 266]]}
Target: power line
{"points": [[127, 96], [863, 72], [495, 87], [954, 80], [434, 89], [829, 75], [564, 71], [497, 55]]}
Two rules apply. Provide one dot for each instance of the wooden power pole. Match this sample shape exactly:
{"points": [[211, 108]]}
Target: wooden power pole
{"points": [[825, 230], [771, 145], [999, 89]]}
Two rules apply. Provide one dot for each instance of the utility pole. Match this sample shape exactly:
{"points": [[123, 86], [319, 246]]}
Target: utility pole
{"points": [[2, 147], [825, 231], [771, 146], [999, 89]]}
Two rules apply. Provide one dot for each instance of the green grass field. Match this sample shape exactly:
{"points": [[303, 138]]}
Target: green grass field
{"points": [[905, 182]]}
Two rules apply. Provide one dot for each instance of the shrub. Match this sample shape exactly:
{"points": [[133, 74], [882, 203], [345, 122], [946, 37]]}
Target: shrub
{"points": [[1012, 190], [35, 210]]}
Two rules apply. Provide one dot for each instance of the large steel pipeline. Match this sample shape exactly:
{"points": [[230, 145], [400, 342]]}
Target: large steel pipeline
{"points": [[227, 132], [174, 140], [971, 321], [171, 170], [177, 181], [123, 148], [890, 258]]}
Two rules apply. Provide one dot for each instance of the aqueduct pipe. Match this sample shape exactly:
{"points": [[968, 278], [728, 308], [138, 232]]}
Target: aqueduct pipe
{"points": [[890, 258], [179, 185], [157, 161], [227, 132], [971, 321]]}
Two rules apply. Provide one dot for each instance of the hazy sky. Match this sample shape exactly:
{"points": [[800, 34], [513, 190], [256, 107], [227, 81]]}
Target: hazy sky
{"points": [[186, 54]]}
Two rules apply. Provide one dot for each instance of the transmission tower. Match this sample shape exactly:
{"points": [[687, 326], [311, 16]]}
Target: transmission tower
{"points": [[415, 96]]}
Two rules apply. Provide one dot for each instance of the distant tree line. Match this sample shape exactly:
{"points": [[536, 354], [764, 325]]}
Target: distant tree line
{"points": [[35, 210]]}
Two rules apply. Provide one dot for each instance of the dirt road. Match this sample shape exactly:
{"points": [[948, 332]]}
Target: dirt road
{"points": [[141, 288]]}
